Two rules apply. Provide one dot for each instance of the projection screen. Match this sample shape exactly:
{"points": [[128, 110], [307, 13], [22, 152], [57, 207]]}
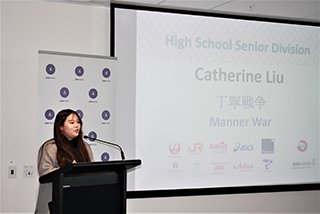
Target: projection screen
{"points": [[218, 102]]}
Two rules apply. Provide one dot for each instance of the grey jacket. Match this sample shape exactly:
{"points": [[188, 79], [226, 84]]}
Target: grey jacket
{"points": [[47, 162]]}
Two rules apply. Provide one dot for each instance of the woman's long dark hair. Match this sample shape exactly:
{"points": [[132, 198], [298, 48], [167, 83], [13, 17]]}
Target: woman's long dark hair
{"points": [[68, 152]]}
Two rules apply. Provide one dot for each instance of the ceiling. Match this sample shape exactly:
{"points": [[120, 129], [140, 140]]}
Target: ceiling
{"points": [[297, 10]]}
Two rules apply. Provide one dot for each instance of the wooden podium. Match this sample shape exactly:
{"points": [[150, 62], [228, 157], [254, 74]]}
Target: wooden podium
{"points": [[94, 187]]}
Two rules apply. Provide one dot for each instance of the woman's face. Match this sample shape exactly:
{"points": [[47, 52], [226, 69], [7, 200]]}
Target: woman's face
{"points": [[71, 127]]}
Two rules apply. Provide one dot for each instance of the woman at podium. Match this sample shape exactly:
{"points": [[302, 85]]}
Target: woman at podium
{"points": [[66, 147]]}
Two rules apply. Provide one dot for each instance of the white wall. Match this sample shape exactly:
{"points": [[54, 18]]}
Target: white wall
{"points": [[29, 26], [0, 103]]}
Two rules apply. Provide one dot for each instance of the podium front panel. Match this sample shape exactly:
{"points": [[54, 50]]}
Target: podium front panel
{"points": [[90, 187], [92, 199], [93, 193]]}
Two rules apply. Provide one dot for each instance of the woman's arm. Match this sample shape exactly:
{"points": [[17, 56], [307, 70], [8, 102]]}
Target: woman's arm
{"points": [[47, 158], [90, 153]]}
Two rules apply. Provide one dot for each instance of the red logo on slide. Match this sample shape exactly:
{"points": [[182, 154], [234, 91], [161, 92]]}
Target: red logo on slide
{"points": [[174, 148]]}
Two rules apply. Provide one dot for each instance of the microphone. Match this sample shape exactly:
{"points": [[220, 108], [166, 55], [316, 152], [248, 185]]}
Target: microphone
{"points": [[106, 142]]}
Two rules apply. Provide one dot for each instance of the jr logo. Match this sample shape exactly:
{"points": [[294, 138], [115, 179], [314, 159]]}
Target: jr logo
{"points": [[197, 147]]}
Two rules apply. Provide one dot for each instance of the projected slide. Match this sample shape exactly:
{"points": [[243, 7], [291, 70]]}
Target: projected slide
{"points": [[224, 102]]}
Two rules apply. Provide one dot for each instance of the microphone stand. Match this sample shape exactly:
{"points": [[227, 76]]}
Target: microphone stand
{"points": [[106, 143]]}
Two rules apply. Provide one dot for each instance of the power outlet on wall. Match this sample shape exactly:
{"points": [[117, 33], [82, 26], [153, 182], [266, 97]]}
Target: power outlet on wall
{"points": [[29, 171], [12, 171]]}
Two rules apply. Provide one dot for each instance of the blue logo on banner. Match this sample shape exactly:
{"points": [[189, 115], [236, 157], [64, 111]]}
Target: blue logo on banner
{"points": [[64, 92], [79, 71], [106, 72], [93, 93], [105, 115], [92, 136], [49, 114], [80, 113], [105, 156], [50, 69]]}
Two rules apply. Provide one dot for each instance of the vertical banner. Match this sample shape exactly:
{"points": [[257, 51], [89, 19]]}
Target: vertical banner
{"points": [[84, 83]]}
